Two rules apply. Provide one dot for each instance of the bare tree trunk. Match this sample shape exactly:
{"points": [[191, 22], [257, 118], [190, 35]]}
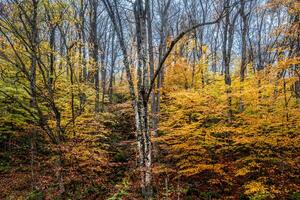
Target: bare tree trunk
{"points": [[151, 56], [34, 43], [226, 60], [72, 92], [195, 58], [227, 47], [104, 48], [52, 57], [260, 64], [112, 67], [244, 41], [61, 52], [94, 47], [142, 103], [244, 50], [297, 54], [33, 102], [215, 49], [82, 54], [157, 93], [83, 40]]}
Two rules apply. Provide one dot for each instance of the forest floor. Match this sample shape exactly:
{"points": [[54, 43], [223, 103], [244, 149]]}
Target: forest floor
{"points": [[123, 154]]}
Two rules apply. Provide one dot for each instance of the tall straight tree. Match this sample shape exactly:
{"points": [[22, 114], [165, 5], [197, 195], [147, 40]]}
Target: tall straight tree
{"points": [[228, 36], [244, 30], [112, 65], [95, 49]]}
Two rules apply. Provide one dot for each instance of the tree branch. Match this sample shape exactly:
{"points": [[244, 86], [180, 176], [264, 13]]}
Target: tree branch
{"points": [[172, 45]]}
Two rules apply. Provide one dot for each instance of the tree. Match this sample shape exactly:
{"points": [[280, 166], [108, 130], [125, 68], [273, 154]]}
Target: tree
{"points": [[144, 86]]}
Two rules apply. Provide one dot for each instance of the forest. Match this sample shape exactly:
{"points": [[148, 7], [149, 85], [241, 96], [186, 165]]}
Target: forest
{"points": [[149, 99]]}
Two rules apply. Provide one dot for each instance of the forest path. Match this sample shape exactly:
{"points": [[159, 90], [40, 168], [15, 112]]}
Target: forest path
{"points": [[123, 153]]}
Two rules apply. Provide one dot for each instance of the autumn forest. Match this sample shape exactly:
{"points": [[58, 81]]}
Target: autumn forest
{"points": [[149, 99]]}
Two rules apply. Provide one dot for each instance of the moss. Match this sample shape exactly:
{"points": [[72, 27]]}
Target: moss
{"points": [[295, 196], [36, 195]]}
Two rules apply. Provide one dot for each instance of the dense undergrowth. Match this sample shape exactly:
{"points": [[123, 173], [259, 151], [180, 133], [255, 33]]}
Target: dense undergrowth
{"points": [[93, 164], [201, 155], [255, 155]]}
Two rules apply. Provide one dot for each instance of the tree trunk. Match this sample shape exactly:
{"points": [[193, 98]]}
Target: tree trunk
{"points": [[34, 43], [94, 44], [104, 49], [83, 41], [227, 47], [33, 101], [244, 51], [142, 103]]}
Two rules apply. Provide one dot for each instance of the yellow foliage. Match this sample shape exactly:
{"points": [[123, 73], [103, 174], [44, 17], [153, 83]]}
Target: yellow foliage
{"points": [[197, 137], [242, 172], [255, 187]]}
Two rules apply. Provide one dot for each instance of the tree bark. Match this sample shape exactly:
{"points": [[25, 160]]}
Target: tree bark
{"points": [[94, 47], [244, 61], [112, 67]]}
